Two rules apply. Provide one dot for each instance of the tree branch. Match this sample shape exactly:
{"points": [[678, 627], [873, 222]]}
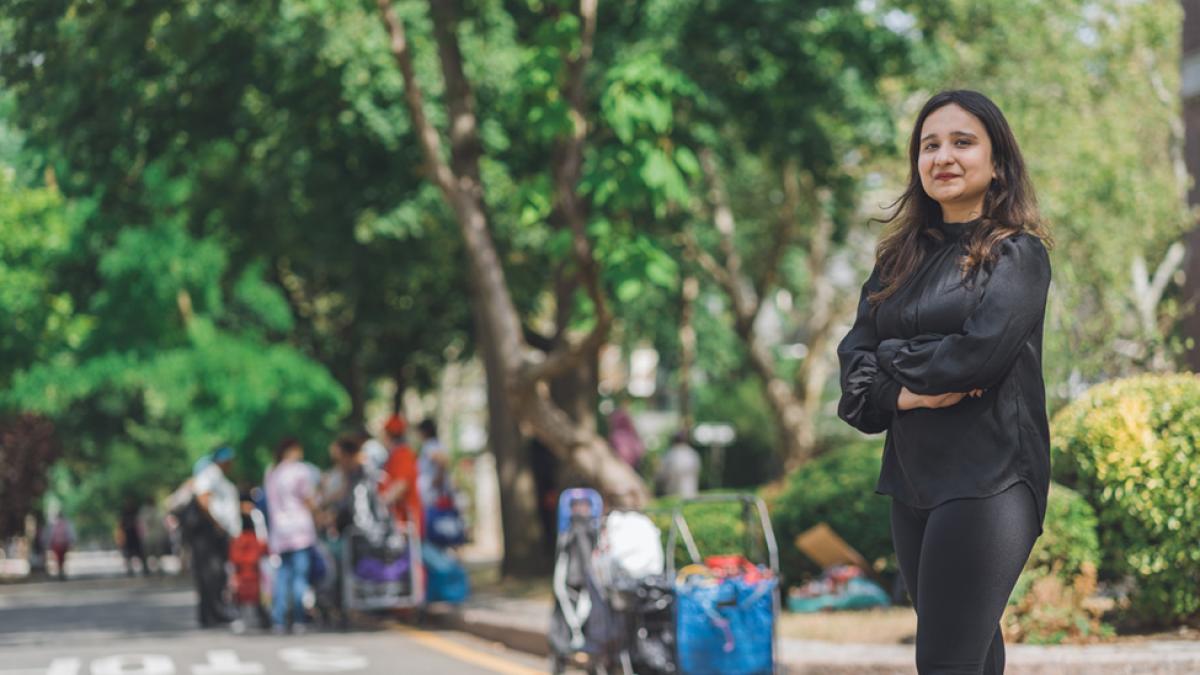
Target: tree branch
{"points": [[568, 167], [745, 308], [465, 145], [431, 143], [781, 235]]}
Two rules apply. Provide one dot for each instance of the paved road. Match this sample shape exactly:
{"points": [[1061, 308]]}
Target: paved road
{"points": [[118, 626]]}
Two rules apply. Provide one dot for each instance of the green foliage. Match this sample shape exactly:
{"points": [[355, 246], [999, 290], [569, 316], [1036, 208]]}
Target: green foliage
{"points": [[837, 488], [1069, 542], [751, 459], [1132, 448], [1069, 70], [718, 528], [1052, 599], [36, 229]]}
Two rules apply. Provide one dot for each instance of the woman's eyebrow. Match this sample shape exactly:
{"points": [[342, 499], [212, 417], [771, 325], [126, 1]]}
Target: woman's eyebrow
{"points": [[952, 133]]}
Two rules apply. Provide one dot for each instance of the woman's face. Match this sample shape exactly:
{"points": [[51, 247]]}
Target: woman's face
{"points": [[955, 162]]}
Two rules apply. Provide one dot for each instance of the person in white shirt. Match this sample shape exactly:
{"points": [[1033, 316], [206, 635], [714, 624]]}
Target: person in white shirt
{"points": [[679, 473], [221, 521]]}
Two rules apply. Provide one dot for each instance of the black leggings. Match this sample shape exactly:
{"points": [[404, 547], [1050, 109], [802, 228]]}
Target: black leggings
{"points": [[960, 561]]}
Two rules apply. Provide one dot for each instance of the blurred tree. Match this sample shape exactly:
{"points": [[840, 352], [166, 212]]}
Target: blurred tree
{"points": [[593, 182], [28, 447], [266, 128], [793, 99], [1091, 90]]}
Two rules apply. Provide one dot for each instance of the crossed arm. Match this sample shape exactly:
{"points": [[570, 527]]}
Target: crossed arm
{"points": [[937, 371]]}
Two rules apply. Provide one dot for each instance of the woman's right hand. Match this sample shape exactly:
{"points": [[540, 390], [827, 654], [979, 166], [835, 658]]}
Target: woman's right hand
{"points": [[910, 401]]}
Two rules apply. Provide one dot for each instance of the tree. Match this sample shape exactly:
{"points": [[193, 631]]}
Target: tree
{"points": [[793, 100], [513, 362]]}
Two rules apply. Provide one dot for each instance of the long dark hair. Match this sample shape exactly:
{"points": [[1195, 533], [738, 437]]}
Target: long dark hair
{"points": [[1009, 206]]}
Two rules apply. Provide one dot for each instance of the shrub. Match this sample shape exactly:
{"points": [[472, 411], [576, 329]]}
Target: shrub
{"points": [[837, 488], [717, 528], [1132, 448], [1052, 601]]}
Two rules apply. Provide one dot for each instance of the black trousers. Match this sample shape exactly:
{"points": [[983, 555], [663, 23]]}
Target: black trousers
{"points": [[960, 561], [210, 552]]}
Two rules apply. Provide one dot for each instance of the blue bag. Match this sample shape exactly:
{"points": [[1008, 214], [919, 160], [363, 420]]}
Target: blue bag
{"points": [[446, 576], [725, 627], [444, 525]]}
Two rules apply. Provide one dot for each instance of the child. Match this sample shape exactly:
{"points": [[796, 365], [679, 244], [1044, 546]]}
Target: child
{"points": [[246, 552]]}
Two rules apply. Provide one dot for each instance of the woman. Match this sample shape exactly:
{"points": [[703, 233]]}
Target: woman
{"points": [[945, 355], [291, 534]]}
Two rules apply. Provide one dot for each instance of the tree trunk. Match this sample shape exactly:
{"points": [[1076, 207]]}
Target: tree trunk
{"points": [[575, 391], [523, 551]]}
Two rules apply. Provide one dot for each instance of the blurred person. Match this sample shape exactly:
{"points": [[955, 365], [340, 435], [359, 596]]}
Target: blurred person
{"points": [[376, 453], [545, 479], [624, 437], [60, 537], [216, 521], [291, 532], [37, 545], [433, 465], [679, 473], [246, 553], [946, 356], [398, 485], [132, 535], [349, 498]]}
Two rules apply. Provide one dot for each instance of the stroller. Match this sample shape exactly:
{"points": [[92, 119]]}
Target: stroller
{"points": [[381, 562], [582, 627]]}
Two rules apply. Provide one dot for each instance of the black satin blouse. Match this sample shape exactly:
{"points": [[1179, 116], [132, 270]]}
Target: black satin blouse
{"points": [[940, 334]]}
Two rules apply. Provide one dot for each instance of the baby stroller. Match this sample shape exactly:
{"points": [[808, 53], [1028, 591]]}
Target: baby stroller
{"points": [[582, 626], [381, 560]]}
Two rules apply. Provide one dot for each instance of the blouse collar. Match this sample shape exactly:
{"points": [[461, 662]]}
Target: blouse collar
{"points": [[957, 231]]}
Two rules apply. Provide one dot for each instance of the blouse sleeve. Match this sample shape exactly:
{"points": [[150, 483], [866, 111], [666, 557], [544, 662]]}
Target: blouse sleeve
{"points": [[868, 394], [1012, 306]]}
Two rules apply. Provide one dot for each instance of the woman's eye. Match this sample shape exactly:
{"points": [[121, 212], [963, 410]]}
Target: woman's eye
{"points": [[931, 146], [963, 143]]}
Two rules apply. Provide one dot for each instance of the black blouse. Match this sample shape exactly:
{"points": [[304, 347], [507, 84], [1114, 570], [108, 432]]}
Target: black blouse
{"points": [[940, 334]]}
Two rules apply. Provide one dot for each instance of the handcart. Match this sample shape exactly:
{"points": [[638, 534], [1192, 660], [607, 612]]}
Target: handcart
{"points": [[382, 568], [727, 606]]}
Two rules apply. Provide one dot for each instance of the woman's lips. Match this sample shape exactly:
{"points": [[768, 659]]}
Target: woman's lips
{"points": [[945, 176]]}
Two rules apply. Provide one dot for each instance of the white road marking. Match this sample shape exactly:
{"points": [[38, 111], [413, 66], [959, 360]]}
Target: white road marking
{"points": [[322, 659], [226, 662], [134, 664]]}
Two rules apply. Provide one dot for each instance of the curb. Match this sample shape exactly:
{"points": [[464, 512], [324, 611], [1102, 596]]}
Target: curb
{"points": [[521, 631], [512, 631]]}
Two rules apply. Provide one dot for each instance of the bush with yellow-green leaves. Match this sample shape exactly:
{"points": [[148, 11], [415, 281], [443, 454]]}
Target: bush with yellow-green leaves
{"points": [[1132, 448]]}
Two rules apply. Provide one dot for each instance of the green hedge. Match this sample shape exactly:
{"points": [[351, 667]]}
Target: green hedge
{"points": [[1132, 448], [718, 529], [837, 488]]}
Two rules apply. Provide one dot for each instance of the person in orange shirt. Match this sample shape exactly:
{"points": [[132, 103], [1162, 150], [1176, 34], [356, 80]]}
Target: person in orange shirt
{"points": [[398, 486]]}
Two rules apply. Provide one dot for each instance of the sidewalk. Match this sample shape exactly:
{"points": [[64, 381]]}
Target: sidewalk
{"points": [[522, 624]]}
